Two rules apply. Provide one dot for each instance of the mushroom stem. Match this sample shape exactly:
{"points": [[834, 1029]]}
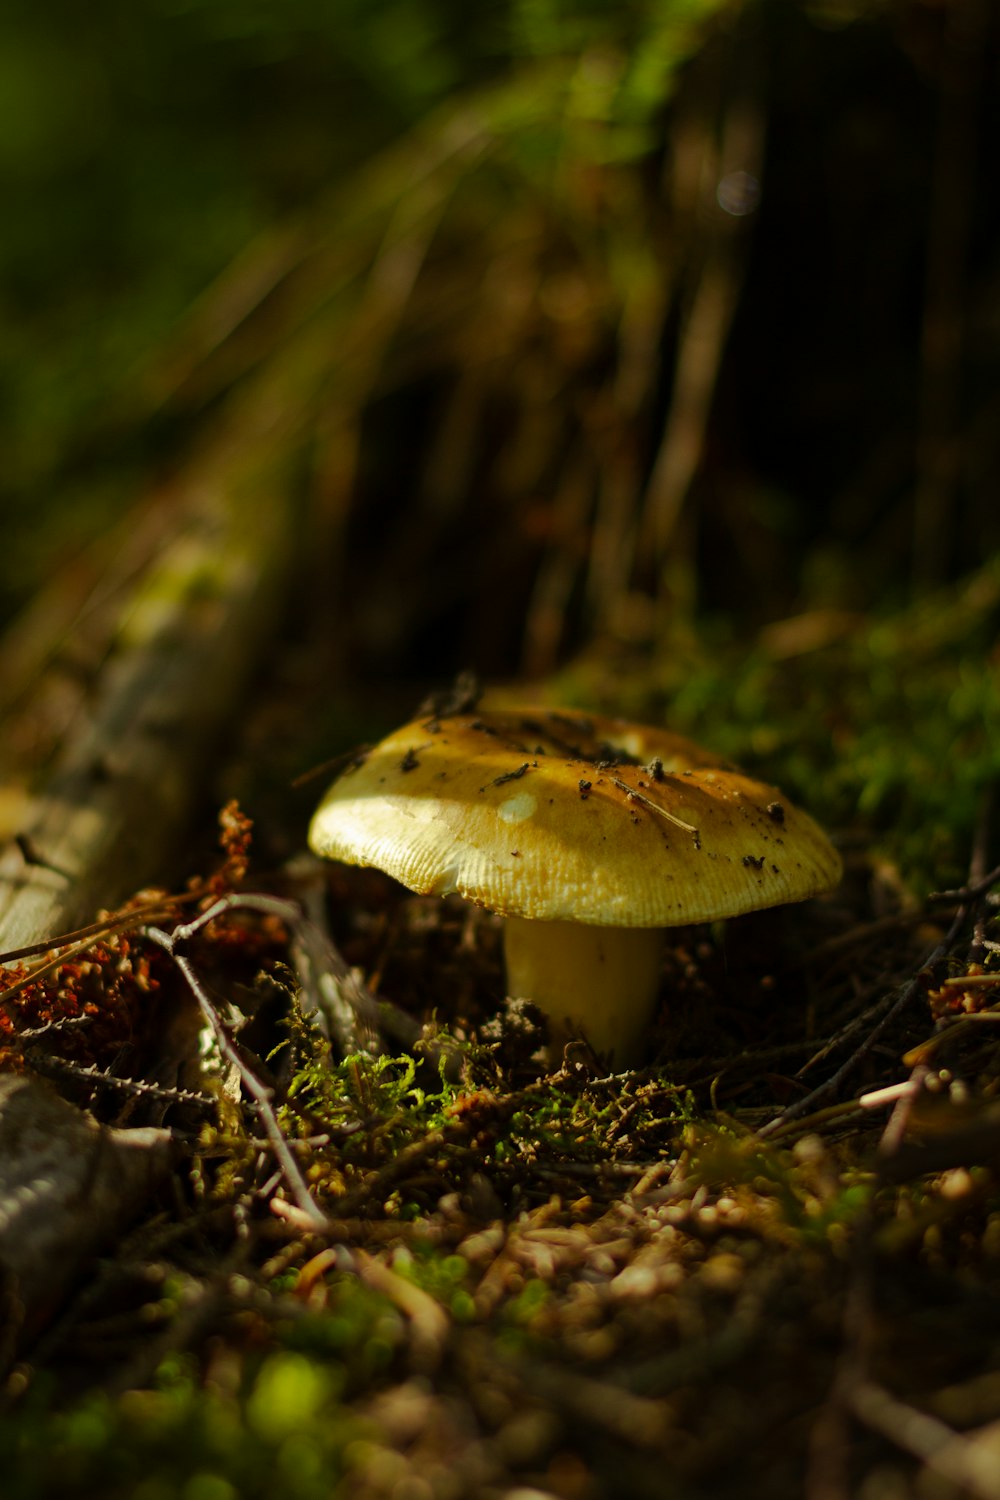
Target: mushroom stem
{"points": [[601, 981]]}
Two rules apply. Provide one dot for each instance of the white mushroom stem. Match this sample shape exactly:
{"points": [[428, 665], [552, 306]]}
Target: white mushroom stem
{"points": [[598, 981]]}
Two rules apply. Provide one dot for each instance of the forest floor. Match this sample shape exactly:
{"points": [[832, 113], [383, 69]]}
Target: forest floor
{"points": [[712, 1275], [390, 1254]]}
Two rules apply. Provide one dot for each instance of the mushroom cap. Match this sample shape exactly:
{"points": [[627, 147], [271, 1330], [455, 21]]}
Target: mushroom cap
{"points": [[571, 817]]}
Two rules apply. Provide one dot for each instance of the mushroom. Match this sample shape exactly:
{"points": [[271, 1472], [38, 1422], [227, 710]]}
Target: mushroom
{"points": [[588, 835]]}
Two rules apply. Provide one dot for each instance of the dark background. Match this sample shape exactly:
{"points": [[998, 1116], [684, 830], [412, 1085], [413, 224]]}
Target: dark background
{"points": [[480, 419]]}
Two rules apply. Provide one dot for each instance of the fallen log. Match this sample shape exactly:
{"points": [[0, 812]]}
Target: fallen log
{"points": [[68, 1186], [181, 639]]}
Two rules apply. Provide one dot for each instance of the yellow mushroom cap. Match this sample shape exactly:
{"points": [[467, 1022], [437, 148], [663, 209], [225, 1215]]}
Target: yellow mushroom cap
{"points": [[570, 817]]}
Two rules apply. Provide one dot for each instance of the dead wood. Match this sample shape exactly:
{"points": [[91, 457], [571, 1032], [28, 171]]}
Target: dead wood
{"points": [[67, 1187], [180, 641]]}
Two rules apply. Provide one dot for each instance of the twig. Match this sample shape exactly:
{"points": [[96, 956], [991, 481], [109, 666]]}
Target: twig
{"points": [[61, 1067], [925, 1050], [829, 1448], [261, 1095], [430, 1326], [895, 1129], [52, 1028], [978, 885], [355, 1018], [331, 767], [598, 1169], [810, 1101], [862, 933], [829, 1445], [749, 1057], [636, 1420], [96, 929], [806, 1124], [705, 1358], [971, 891], [947, 1453], [841, 1037], [87, 935], [634, 796], [878, 1098]]}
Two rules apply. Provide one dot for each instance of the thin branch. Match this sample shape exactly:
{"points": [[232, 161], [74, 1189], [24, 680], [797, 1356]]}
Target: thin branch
{"points": [[864, 932], [261, 1095], [829, 1449], [62, 1067], [87, 935], [972, 890], [97, 929], [923, 1051], [949, 1454], [634, 796], [811, 1101]]}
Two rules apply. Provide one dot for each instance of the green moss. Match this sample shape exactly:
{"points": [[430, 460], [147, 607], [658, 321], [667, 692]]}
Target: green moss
{"points": [[891, 730]]}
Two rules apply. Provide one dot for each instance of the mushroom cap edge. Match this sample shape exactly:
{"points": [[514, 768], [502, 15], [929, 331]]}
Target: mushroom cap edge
{"points": [[529, 814]]}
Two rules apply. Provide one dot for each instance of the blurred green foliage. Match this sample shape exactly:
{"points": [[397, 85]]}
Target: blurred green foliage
{"points": [[143, 147], [477, 252], [275, 1423], [888, 726], [461, 253]]}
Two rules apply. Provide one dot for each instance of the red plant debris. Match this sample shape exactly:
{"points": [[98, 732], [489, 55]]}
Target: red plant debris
{"points": [[235, 837], [110, 987], [96, 1002]]}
